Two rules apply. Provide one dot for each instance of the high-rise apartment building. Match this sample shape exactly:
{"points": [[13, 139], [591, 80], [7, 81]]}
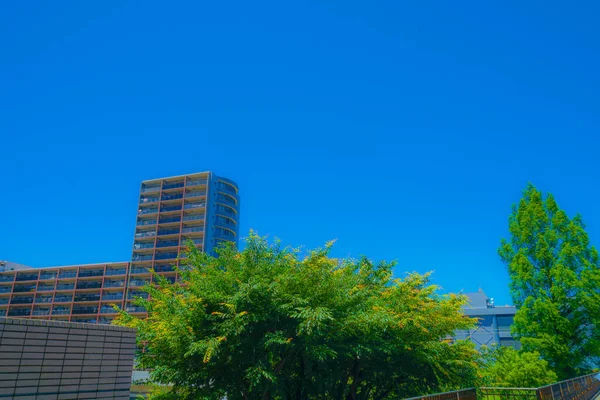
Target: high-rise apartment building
{"points": [[201, 207]]}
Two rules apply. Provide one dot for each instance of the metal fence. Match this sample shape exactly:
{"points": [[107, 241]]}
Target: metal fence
{"points": [[465, 394], [581, 388]]}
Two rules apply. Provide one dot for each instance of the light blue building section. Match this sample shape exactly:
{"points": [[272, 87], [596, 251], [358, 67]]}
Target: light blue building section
{"points": [[222, 213], [493, 326]]}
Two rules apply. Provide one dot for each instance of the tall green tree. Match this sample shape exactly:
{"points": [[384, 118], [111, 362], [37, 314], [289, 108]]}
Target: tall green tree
{"points": [[555, 283], [507, 367], [268, 323]]}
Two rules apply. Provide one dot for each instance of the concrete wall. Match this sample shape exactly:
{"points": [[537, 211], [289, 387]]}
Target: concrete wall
{"points": [[62, 360]]}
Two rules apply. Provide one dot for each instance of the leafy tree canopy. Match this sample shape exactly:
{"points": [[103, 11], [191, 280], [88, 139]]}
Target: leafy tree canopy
{"points": [[555, 283], [268, 323], [507, 367]]}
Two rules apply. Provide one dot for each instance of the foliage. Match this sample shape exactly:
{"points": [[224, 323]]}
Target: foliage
{"points": [[268, 323], [507, 367], [555, 283]]}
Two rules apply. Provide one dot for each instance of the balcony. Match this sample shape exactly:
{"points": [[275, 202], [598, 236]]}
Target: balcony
{"points": [[68, 274], [7, 278], [139, 257], [61, 311], [22, 300], [145, 234], [87, 297], [24, 288], [143, 222], [5, 289], [149, 189], [107, 310], [138, 282], [191, 206], [165, 256], [170, 208], [174, 185], [169, 220], [85, 310], [193, 229], [105, 321], [107, 296], [170, 243], [43, 299], [65, 286], [27, 277], [45, 288], [89, 285], [193, 217], [150, 210], [196, 182], [134, 309], [135, 295], [113, 284], [172, 196], [86, 273], [47, 276], [4, 300], [63, 299], [195, 193], [226, 209], [140, 271], [85, 320], [227, 187], [45, 311], [142, 246], [19, 312], [195, 240], [111, 272], [148, 199], [173, 231]]}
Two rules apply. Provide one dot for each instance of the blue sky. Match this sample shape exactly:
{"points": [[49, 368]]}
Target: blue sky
{"points": [[404, 129]]}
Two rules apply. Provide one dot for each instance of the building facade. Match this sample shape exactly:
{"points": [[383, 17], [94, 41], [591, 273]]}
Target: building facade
{"points": [[62, 360], [493, 322], [202, 208]]}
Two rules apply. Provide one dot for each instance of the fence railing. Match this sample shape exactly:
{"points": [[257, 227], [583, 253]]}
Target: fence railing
{"points": [[581, 388], [465, 394]]}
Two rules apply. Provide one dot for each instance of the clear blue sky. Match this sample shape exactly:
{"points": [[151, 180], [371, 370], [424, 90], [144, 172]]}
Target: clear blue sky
{"points": [[404, 129]]}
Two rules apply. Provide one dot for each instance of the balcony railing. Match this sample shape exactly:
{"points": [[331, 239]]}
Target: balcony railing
{"points": [[143, 222], [47, 276], [28, 277], [145, 234], [132, 296], [108, 310], [170, 208], [61, 311], [4, 300], [189, 206], [5, 289], [112, 284], [138, 257], [65, 286], [63, 299], [164, 268], [196, 182], [168, 244], [85, 320], [140, 271], [45, 288], [111, 272], [141, 246], [69, 274], [136, 282], [144, 200], [21, 300], [172, 196], [147, 189], [193, 217], [135, 309], [88, 310], [112, 297], [89, 285], [165, 256], [175, 185], [466, 394], [228, 188], [7, 278], [43, 299], [89, 273], [22, 289], [150, 210], [193, 229], [195, 193], [19, 312], [91, 297], [223, 198], [41, 312]]}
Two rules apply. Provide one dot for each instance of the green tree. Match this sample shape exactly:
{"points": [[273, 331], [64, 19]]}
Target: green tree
{"points": [[267, 323], [555, 283], [507, 367]]}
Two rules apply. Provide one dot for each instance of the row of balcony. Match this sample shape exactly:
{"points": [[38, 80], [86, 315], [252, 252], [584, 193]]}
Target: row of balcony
{"points": [[171, 219], [169, 208], [63, 274], [172, 196], [60, 310], [45, 287], [173, 185]]}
